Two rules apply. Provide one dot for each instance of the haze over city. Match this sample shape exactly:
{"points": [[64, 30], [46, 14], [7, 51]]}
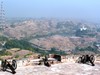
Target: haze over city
{"points": [[73, 9]]}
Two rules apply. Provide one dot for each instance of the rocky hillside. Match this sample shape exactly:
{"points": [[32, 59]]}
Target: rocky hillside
{"points": [[49, 33], [57, 41], [44, 27]]}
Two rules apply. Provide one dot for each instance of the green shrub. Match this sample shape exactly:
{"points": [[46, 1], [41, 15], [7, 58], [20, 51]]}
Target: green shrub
{"points": [[17, 56]]}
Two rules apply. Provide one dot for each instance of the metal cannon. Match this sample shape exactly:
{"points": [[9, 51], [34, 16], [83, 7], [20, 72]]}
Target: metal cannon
{"points": [[86, 59], [12, 65]]}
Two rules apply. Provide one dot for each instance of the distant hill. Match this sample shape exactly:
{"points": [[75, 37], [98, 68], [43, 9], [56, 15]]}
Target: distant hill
{"points": [[36, 28], [53, 33]]}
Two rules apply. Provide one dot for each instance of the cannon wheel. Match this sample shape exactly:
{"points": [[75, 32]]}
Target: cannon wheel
{"points": [[3, 65], [83, 59], [79, 60], [92, 58], [14, 64]]}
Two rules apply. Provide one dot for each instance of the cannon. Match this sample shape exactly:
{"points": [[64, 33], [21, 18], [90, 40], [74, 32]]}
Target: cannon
{"points": [[46, 63], [86, 59], [12, 65]]}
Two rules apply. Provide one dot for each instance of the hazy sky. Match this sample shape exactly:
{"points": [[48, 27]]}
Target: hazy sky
{"points": [[84, 9]]}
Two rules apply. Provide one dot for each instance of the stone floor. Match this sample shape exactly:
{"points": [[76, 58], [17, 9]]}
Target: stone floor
{"points": [[68, 68]]}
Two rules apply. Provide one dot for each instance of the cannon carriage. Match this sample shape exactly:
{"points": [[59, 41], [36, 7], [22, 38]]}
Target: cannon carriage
{"points": [[86, 59], [9, 64]]}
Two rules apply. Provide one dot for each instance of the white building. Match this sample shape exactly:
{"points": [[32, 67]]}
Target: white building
{"points": [[83, 28]]}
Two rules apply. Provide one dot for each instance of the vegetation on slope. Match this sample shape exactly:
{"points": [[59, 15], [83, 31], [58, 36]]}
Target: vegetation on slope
{"points": [[2, 38], [89, 48], [22, 44], [4, 52]]}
